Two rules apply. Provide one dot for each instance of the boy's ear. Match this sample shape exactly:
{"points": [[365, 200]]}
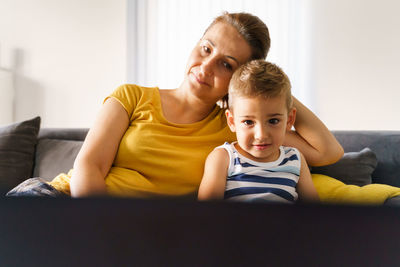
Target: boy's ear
{"points": [[291, 118], [230, 120]]}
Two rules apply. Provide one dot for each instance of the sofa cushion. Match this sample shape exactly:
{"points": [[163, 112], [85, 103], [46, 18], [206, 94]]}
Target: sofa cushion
{"points": [[353, 168], [54, 156], [17, 148]]}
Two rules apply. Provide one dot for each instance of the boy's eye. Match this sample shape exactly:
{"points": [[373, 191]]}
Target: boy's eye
{"points": [[248, 122], [273, 121]]}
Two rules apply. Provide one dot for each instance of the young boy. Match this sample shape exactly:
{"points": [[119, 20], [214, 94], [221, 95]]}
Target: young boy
{"points": [[257, 167]]}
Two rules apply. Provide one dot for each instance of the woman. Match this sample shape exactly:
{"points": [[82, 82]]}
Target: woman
{"points": [[147, 142]]}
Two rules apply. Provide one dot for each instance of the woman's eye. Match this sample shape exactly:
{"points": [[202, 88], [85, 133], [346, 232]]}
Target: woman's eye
{"points": [[273, 121], [248, 122], [206, 49], [227, 65]]}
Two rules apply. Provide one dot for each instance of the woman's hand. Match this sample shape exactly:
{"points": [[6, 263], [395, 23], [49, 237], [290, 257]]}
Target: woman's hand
{"points": [[313, 138], [98, 151]]}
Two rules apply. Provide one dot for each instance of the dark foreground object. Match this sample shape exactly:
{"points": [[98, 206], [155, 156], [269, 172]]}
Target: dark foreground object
{"points": [[129, 232]]}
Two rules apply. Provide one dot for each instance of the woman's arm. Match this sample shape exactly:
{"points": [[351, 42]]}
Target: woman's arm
{"points": [[305, 185], [313, 138], [98, 151], [214, 179]]}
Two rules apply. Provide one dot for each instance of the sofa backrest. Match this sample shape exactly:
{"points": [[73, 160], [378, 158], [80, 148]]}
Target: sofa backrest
{"points": [[56, 151], [385, 145]]}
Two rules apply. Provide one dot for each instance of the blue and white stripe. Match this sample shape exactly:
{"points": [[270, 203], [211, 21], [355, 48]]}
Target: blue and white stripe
{"points": [[249, 180]]}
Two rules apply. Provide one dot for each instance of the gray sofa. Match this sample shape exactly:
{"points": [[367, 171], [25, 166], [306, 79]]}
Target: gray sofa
{"points": [[386, 147], [56, 151], [370, 156], [27, 150], [57, 148]]}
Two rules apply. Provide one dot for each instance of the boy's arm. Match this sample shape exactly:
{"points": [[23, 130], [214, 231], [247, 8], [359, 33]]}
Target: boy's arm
{"points": [[214, 178], [305, 185]]}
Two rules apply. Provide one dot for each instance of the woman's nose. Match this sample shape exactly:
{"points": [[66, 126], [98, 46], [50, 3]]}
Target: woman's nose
{"points": [[207, 66]]}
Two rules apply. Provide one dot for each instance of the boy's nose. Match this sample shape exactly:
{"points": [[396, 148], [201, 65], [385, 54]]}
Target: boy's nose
{"points": [[260, 133]]}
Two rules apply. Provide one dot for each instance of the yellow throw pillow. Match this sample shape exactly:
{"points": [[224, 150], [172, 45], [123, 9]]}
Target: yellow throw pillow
{"points": [[334, 191], [61, 182]]}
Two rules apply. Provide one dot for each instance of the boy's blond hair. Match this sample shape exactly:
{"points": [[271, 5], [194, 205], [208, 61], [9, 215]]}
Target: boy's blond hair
{"points": [[260, 78]]}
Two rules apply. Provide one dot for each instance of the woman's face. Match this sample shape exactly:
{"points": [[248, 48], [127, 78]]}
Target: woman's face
{"points": [[214, 59]]}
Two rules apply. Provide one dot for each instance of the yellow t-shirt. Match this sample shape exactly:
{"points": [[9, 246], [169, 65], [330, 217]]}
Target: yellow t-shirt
{"points": [[157, 157]]}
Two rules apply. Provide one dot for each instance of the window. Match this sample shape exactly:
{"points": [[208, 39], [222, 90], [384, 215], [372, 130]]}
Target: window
{"points": [[162, 33]]}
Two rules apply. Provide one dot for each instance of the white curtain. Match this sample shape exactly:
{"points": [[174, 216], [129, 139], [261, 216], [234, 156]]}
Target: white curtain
{"points": [[161, 34]]}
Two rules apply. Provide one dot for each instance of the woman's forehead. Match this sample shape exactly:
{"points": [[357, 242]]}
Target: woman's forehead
{"points": [[228, 41]]}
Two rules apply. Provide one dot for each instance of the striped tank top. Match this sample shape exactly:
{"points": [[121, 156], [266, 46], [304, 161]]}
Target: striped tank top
{"points": [[250, 181]]}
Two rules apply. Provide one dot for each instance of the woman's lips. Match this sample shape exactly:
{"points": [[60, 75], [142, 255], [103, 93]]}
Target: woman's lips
{"points": [[199, 80]]}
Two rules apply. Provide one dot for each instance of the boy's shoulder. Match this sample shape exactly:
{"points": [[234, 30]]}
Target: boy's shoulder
{"points": [[290, 150], [229, 147], [292, 153]]}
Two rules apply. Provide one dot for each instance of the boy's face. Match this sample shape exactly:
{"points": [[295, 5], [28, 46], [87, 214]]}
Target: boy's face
{"points": [[260, 125]]}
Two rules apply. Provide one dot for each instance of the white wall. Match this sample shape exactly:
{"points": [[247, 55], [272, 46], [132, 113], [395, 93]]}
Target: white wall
{"points": [[356, 63], [66, 55]]}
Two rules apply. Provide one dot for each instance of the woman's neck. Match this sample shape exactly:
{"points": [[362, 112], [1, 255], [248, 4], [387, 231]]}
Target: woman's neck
{"points": [[180, 107]]}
